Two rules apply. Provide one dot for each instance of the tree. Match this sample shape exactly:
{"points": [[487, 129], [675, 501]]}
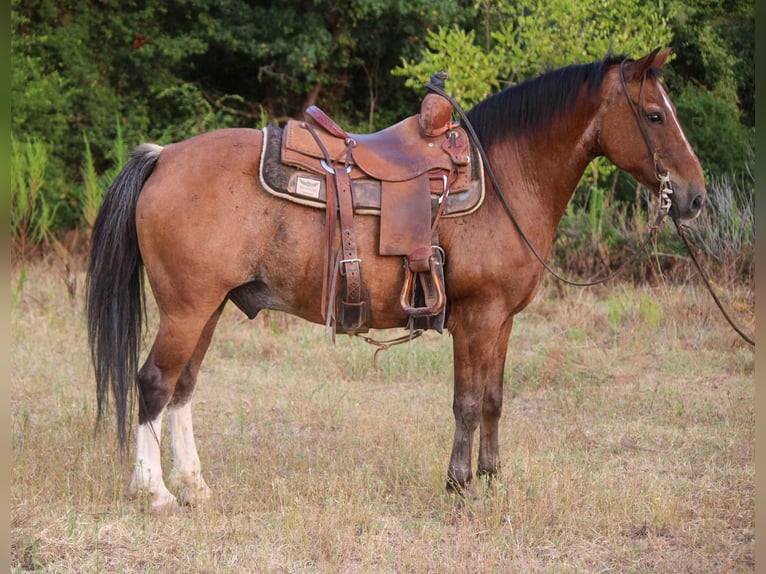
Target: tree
{"points": [[714, 74], [710, 75], [285, 56], [522, 40]]}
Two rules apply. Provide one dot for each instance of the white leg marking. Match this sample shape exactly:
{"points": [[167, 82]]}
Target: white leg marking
{"points": [[147, 474], [186, 476]]}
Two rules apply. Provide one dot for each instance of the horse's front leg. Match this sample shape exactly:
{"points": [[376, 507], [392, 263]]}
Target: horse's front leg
{"points": [[479, 359]]}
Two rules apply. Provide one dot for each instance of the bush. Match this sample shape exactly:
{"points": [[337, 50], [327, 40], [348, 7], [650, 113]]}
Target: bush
{"points": [[714, 130], [725, 230], [600, 234]]}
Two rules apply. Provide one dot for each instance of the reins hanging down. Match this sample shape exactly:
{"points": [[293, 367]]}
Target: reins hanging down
{"points": [[507, 208], [680, 230], [665, 192]]}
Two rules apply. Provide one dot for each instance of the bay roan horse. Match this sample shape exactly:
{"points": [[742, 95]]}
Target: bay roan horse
{"points": [[194, 216]]}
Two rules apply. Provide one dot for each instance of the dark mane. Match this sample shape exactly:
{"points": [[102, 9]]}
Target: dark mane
{"points": [[531, 105]]}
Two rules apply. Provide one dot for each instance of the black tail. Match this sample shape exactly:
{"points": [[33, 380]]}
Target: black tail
{"points": [[114, 289]]}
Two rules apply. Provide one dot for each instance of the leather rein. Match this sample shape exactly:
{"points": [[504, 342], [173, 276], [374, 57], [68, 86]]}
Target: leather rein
{"points": [[665, 182], [665, 193]]}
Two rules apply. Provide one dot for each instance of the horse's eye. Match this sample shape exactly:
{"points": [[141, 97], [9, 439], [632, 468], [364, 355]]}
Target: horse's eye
{"points": [[654, 118]]}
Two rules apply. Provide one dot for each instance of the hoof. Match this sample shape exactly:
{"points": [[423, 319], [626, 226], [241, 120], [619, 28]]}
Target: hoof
{"points": [[167, 508], [194, 495], [458, 487], [159, 501], [192, 490]]}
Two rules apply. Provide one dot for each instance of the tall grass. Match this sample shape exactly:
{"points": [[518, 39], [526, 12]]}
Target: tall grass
{"points": [[626, 439], [601, 234], [90, 194], [726, 231]]}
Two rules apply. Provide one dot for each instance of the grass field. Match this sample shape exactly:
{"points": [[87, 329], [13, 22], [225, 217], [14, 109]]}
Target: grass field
{"points": [[627, 444]]}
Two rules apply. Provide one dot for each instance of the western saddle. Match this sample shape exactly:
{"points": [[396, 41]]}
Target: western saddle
{"points": [[426, 155]]}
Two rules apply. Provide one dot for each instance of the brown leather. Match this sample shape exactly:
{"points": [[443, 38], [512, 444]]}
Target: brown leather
{"points": [[397, 153], [329, 263], [326, 122], [405, 215], [435, 115], [351, 306], [413, 159], [350, 310], [309, 188], [435, 294]]}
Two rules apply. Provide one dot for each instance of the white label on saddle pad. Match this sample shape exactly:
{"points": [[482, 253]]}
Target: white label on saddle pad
{"points": [[308, 187]]}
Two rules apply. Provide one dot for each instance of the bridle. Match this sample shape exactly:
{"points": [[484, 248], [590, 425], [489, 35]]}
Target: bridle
{"points": [[665, 195], [665, 192], [663, 175]]}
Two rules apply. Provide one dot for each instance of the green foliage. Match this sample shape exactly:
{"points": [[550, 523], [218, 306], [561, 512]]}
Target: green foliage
{"points": [[90, 194], [18, 291], [473, 72], [522, 40], [531, 32], [714, 130], [592, 236], [33, 212], [712, 79]]}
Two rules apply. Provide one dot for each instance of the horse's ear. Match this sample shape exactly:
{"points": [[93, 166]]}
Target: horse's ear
{"points": [[654, 59], [661, 57]]}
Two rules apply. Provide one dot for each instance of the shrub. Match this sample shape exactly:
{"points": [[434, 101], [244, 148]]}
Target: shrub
{"points": [[725, 230]]}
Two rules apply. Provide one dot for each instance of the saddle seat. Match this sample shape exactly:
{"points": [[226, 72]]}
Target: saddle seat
{"points": [[397, 153]]}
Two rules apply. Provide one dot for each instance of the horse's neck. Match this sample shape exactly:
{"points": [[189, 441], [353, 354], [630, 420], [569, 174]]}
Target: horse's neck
{"points": [[543, 172]]}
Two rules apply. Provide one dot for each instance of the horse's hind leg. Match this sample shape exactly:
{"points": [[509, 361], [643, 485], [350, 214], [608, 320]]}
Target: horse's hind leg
{"points": [[180, 344], [186, 476]]}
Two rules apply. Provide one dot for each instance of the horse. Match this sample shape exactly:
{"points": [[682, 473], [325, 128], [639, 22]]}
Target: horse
{"points": [[193, 218]]}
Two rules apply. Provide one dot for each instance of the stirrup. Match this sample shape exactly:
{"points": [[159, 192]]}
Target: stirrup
{"points": [[407, 295]]}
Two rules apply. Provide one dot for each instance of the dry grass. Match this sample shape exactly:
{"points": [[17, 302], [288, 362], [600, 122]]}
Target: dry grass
{"points": [[627, 444]]}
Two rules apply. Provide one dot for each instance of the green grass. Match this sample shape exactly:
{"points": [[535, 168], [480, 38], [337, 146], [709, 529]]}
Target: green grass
{"points": [[626, 439]]}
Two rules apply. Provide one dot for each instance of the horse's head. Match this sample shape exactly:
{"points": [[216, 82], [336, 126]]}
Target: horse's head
{"points": [[640, 133]]}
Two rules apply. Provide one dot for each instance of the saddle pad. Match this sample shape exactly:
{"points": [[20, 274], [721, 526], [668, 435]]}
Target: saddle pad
{"points": [[308, 188]]}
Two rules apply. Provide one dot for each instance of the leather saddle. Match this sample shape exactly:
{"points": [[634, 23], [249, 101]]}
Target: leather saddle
{"points": [[406, 173]]}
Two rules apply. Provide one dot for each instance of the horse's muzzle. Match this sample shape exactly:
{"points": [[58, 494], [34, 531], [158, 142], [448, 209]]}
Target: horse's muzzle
{"points": [[688, 206]]}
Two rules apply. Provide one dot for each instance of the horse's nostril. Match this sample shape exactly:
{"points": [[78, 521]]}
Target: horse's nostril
{"points": [[698, 202]]}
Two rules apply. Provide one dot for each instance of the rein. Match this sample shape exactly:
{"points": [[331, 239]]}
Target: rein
{"points": [[705, 280], [665, 192], [507, 208], [666, 189]]}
